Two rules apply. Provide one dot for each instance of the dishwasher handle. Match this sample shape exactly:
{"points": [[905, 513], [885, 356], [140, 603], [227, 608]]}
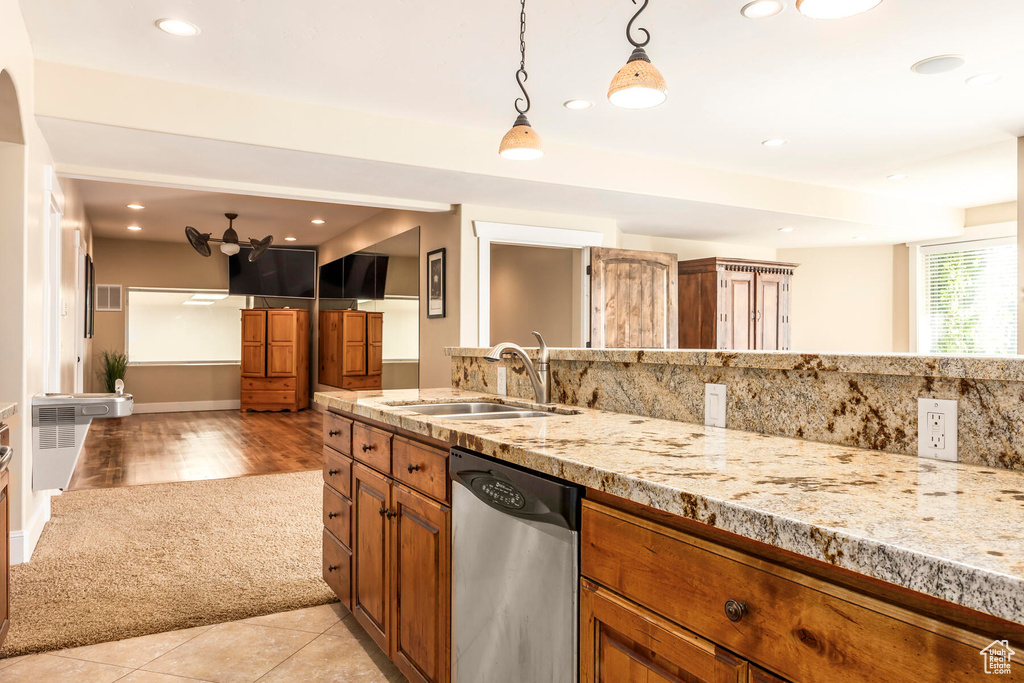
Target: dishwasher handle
{"points": [[6, 453]]}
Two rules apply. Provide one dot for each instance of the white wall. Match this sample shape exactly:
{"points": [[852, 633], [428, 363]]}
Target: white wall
{"points": [[695, 249], [1020, 244]]}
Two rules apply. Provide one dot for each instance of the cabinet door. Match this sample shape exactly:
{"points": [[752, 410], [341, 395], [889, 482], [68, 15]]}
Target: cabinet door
{"points": [[633, 299], [421, 623], [5, 555], [736, 311], [772, 308], [371, 594], [623, 643], [330, 348], [254, 326], [374, 343], [282, 337], [354, 341]]}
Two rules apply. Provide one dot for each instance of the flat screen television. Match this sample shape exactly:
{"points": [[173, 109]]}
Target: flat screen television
{"points": [[356, 276], [279, 273]]}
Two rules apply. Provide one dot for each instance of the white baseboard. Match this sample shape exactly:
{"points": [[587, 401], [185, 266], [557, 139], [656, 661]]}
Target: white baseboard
{"points": [[186, 406], [23, 542]]}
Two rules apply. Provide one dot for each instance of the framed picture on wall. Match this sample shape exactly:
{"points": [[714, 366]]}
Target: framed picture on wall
{"points": [[437, 272]]}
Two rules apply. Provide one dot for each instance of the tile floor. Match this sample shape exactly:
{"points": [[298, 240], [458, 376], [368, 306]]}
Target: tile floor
{"points": [[320, 644]]}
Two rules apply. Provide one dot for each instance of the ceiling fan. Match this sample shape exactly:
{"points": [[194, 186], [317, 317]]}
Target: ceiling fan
{"points": [[229, 245]]}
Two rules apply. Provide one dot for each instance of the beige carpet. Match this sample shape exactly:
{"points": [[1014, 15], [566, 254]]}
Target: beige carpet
{"points": [[119, 563]]}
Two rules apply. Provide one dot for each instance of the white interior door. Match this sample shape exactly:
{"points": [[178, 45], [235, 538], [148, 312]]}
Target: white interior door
{"points": [[79, 313]]}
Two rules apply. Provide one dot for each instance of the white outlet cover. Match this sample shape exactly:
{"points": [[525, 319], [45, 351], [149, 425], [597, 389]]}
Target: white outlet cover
{"points": [[714, 405], [502, 380], [929, 435]]}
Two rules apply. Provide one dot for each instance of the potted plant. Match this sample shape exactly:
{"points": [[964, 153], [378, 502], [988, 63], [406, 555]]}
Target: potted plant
{"points": [[113, 366]]}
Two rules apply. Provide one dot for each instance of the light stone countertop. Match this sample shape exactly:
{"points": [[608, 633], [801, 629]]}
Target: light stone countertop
{"points": [[7, 410], [947, 530]]}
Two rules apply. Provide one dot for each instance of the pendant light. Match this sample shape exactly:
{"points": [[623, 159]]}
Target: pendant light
{"points": [[521, 143], [639, 84]]}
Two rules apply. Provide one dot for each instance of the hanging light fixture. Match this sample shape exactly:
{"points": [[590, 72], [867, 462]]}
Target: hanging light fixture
{"points": [[229, 244], [639, 84], [521, 143]]}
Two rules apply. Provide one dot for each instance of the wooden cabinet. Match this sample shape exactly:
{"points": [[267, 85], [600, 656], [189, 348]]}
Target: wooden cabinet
{"points": [[351, 349], [734, 304], [633, 299], [275, 359], [400, 589], [5, 542]]}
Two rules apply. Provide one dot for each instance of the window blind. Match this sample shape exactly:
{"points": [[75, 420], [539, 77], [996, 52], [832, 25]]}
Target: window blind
{"points": [[970, 298]]}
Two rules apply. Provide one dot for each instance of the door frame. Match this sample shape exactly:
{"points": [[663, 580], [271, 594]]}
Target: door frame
{"points": [[81, 249], [489, 233], [53, 297]]}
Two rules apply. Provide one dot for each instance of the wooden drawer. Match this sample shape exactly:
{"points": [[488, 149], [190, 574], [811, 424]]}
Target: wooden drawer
{"points": [[338, 472], [800, 627], [338, 515], [338, 433], [338, 568], [421, 467], [371, 446], [357, 382], [268, 384], [268, 397]]}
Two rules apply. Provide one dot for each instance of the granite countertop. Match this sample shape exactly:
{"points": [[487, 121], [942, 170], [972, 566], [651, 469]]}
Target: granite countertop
{"points": [[947, 530], [7, 410]]}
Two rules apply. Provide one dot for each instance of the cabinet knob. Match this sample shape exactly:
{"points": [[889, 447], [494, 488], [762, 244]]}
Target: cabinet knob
{"points": [[331, 473], [367, 447], [334, 432], [735, 609], [382, 511], [332, 568], [332, 515], [412, 468], [391, 514]]}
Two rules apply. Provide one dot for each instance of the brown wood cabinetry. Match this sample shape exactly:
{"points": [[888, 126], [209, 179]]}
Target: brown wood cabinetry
{"points": [[632, 299], [351, 349], [399, 589], [275, 359], [734, 304], [5, 542]]}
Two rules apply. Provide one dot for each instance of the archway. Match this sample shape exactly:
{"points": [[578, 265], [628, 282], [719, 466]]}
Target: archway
{"points": [[10, 113]]}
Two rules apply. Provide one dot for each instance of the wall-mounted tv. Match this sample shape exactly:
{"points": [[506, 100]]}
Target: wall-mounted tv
{"points": [[279, 273], [356, 276]]}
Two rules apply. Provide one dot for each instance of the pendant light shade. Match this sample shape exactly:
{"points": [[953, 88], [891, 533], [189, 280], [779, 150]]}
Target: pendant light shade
{"points": [[521, 143], [639, 84], [834, 9]]}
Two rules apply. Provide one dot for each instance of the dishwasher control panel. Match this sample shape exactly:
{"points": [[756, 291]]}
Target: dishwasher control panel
{"points": [[500, 492]]}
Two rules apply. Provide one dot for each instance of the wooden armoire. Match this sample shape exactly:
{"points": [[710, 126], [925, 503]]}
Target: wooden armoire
{"points": [[735, 304], [275, 359], [351, 349], [632, 299]]}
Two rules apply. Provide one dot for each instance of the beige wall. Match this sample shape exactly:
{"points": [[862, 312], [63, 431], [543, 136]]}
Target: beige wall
{"points": [[138, 263], [403, 276], [531, 289], [1020, 244], [694, 249]]}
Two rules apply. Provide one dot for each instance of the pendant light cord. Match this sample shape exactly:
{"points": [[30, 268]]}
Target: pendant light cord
{"points": [[521, 74], [629, 28]]}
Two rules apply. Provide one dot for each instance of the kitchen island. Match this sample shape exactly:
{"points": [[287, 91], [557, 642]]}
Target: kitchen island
{"points": [[921, 560]]}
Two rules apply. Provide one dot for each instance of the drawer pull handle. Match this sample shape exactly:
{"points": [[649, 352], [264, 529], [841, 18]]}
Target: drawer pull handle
{"points": [[332, 515], [412, 468], [334, 432], [332, 568], [331, 473], [735, 609], [367, 447]]}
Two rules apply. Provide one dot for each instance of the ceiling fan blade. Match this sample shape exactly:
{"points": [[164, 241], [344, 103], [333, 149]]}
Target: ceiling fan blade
{"points": [[199, 241], [259, 247]]}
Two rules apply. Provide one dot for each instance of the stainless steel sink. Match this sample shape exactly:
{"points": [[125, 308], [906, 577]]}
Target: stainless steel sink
{"points": [[479, 410]]}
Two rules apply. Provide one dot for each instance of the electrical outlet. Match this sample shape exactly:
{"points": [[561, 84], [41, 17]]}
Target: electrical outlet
{"points": [[714, 405], [937, 429], [502, 380]]}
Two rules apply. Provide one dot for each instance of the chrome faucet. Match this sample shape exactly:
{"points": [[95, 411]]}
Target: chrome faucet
{"points": [[540, 374]]}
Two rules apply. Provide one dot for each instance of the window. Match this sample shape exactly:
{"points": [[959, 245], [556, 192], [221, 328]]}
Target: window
{"points": [[401, 326], [183, 326], [969, 302]]}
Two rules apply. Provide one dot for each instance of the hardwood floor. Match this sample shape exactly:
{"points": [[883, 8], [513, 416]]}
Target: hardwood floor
{"points": [[167, 447]]}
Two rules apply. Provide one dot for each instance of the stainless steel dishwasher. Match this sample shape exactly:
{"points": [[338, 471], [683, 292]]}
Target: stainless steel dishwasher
{"points": [[515, 573]]}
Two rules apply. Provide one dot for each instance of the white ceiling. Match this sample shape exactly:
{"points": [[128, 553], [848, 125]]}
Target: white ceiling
{"points": [[169, 210], [841, 91]]}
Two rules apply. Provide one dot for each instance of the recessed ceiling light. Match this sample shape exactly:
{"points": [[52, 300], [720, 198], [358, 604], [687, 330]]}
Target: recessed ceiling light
{"points": [[193, 302], [318, 221], [984, 79], [938, 65], [775, 142], [834, 9], [289, 239], [761, 9], [137, 207], [577, 104], [897, 176], [786, 229], [134, 228], [177, 27]]}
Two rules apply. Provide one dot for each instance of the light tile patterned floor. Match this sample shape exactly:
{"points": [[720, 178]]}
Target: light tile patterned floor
{"points": [[320, 644]]}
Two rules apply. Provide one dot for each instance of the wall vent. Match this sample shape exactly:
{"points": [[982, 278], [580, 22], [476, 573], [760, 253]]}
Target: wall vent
{"points": [[56, 427], [108, 297]]}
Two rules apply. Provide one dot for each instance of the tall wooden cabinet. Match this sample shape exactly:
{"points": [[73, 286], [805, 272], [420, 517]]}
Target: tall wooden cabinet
{"points": [[5, 543], [387, 555], [275, 359], [734, 304], [351, 349], [632, 299]]}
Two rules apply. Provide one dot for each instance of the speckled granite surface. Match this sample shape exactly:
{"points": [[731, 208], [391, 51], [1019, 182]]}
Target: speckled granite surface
{"points": [[947, 530], [7, 410], [862, 401]]}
